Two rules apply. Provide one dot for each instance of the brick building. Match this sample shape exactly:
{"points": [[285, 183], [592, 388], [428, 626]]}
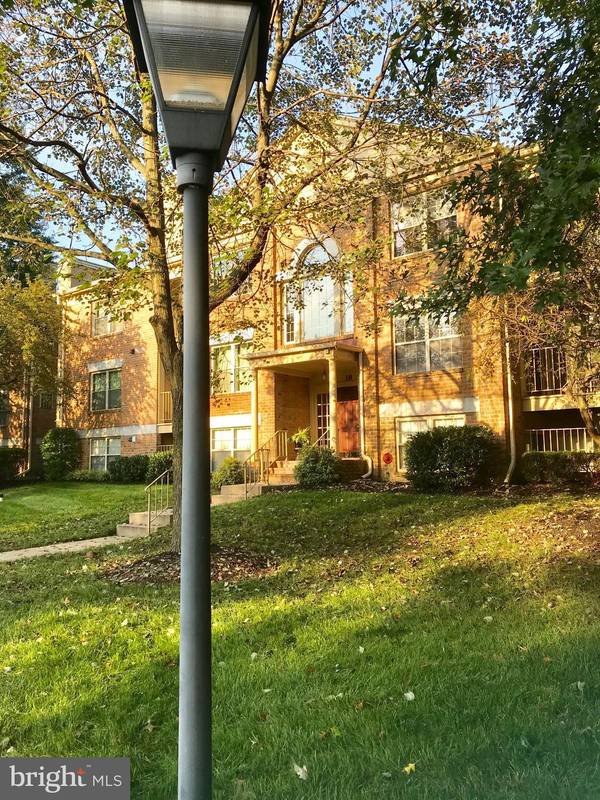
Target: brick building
{"points": [[332, 361]]}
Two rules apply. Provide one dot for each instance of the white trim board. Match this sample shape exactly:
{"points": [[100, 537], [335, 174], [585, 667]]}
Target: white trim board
{"points": [[99, 366], [426, 408]]}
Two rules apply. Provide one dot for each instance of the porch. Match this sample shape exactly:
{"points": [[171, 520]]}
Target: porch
{"points": [[317, 387]]}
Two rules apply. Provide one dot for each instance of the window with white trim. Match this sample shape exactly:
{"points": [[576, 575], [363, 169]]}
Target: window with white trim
{"points": [[421, 222], [229, 443], [46, 400], [318, 307], [104, 451], [427, 345], [103, 323], [105, 390], [230, 371], [408, 426]]}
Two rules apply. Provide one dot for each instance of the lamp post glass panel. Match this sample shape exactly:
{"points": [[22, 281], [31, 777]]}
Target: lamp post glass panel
{"points": [[203, 58]]}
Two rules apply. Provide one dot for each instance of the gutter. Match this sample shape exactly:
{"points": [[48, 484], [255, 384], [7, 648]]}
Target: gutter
{"points": [[511, 421], [361, 403]]}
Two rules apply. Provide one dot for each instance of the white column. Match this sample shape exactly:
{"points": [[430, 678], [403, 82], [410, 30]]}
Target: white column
{"points": [[254, 410], [332, 405]]}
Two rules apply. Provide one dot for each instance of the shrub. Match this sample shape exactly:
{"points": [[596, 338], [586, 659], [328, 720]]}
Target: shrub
{"points": [[128, 469], [60, 453], [10, 460], [88, 475], [449, 458], [158, 463], [317, 467], [560, 467], [231, 471]]}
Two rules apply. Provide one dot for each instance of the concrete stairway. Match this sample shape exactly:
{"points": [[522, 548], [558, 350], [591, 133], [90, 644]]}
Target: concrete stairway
{"points": [[138, 523]]}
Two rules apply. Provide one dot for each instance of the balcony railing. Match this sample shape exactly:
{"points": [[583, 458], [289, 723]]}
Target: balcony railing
{"points": [[552, 440], [546, 371], [165, 412]]}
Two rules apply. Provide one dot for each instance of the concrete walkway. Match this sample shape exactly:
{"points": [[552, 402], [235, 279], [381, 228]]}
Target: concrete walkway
{"points": [[60, 548]]}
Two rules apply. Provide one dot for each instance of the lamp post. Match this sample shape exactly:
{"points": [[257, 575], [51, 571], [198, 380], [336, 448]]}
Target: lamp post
{"points": [[203, 57]]}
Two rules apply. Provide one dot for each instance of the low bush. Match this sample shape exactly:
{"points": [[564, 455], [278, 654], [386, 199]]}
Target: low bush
{"points": [[88, 476], [317, 467], [128, 469], [11, 458], [449, 458], [230, 472], [60, 453], [157, 464], [560, 467]]}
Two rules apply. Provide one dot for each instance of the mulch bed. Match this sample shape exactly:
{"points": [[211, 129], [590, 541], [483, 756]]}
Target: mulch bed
{"points": [[227, 564]]}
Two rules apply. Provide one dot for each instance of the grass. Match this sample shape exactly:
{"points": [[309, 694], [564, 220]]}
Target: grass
{"points": [[486, 609], [45, 513]]}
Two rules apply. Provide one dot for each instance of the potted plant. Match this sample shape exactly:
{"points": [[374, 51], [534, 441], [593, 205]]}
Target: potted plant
{"points": [[301, 438]]}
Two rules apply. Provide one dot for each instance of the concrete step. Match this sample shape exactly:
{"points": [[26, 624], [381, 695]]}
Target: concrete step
{"points": [[282, 479], [141, 518], [239, 490], [131, 531]]}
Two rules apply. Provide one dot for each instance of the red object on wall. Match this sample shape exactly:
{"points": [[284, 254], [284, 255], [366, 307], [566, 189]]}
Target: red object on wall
{"points": [[388, 458]]}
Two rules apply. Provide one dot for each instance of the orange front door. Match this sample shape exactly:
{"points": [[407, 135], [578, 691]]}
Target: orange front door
{"points": [[348, 421]]}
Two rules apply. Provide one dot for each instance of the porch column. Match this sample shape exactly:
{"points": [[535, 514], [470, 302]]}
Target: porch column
{"points": [[332, 405], [254, 410]]}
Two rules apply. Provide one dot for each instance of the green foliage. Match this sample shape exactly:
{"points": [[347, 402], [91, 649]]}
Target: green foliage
{"points": [[558, 468], [301, 438], [451, 458], [88, 476], [128, 469], [158, 463], [317, 467], [60, 453], [230, 472], [10, 460]]}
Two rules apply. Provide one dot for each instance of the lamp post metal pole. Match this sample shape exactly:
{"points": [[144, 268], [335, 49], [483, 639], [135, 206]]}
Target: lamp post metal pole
{"points": [[194, 181]]}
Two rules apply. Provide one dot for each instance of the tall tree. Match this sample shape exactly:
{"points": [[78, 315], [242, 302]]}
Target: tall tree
{"points": [[80, 121]]}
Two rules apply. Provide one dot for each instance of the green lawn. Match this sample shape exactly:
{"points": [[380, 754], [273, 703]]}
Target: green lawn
{"points": [[44, 513], [486, 609]]}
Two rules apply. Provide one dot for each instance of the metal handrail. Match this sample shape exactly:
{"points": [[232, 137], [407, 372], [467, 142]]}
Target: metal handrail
{"points": [[159, 494], [257, 465], [323, 440]]}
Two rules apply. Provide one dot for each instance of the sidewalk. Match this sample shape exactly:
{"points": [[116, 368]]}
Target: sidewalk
{"points": [[60, 548]]}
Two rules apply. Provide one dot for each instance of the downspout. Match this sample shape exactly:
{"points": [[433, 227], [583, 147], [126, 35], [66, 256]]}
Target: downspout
{"points": [[376, 335], [511, 421], [361, 403], [30, 431]]}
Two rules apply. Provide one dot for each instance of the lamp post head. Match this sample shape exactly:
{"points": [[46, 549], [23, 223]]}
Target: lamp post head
{"points": [[202, 57]]}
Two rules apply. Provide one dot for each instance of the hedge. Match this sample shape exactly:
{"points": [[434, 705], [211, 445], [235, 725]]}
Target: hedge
{"points": [[449, 458], [128, 469], [88, 476], [230, 472], [157, 464], [60, 453], [560, 467], [10, 459], [317, 467]]}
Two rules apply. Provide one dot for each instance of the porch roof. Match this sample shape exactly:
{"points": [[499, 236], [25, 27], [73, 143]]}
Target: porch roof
{"points": [[304, 353]]}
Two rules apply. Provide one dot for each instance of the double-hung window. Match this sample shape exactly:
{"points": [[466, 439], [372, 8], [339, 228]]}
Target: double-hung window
{"points": [[46, 400], [405, 428], [105, 390], [103, 323], [103, 451], [230, 369], [421, 222], [426, 345]]}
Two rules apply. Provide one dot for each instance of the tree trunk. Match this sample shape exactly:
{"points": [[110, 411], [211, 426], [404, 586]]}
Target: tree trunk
{"points": [[177, 395]]}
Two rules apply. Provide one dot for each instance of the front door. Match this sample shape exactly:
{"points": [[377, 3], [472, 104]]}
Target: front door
{"points": [[348, 421]]}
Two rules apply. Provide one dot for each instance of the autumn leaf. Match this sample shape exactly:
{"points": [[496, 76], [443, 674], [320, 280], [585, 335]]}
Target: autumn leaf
{"points": [[409, 768], [301, 772]]}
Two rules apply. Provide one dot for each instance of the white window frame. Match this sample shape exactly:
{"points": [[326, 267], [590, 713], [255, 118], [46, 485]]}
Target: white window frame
{"points": [[427, 208], [106, 455], [234, 386], [101, 318], [106, 407], [432, 421], [425, 321], [233, 450], [342, 312]]}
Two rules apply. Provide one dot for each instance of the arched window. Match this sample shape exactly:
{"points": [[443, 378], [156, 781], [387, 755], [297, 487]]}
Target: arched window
{"points": [[319, 305]]}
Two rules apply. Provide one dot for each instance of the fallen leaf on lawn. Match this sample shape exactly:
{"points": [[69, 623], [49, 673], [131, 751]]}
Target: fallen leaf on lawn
{"points": [[488, 619], [386, 774], [361, 649], [253, 656], [124, 623], [149, 726], [409, 768], [409, 695], [301, 772]]}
